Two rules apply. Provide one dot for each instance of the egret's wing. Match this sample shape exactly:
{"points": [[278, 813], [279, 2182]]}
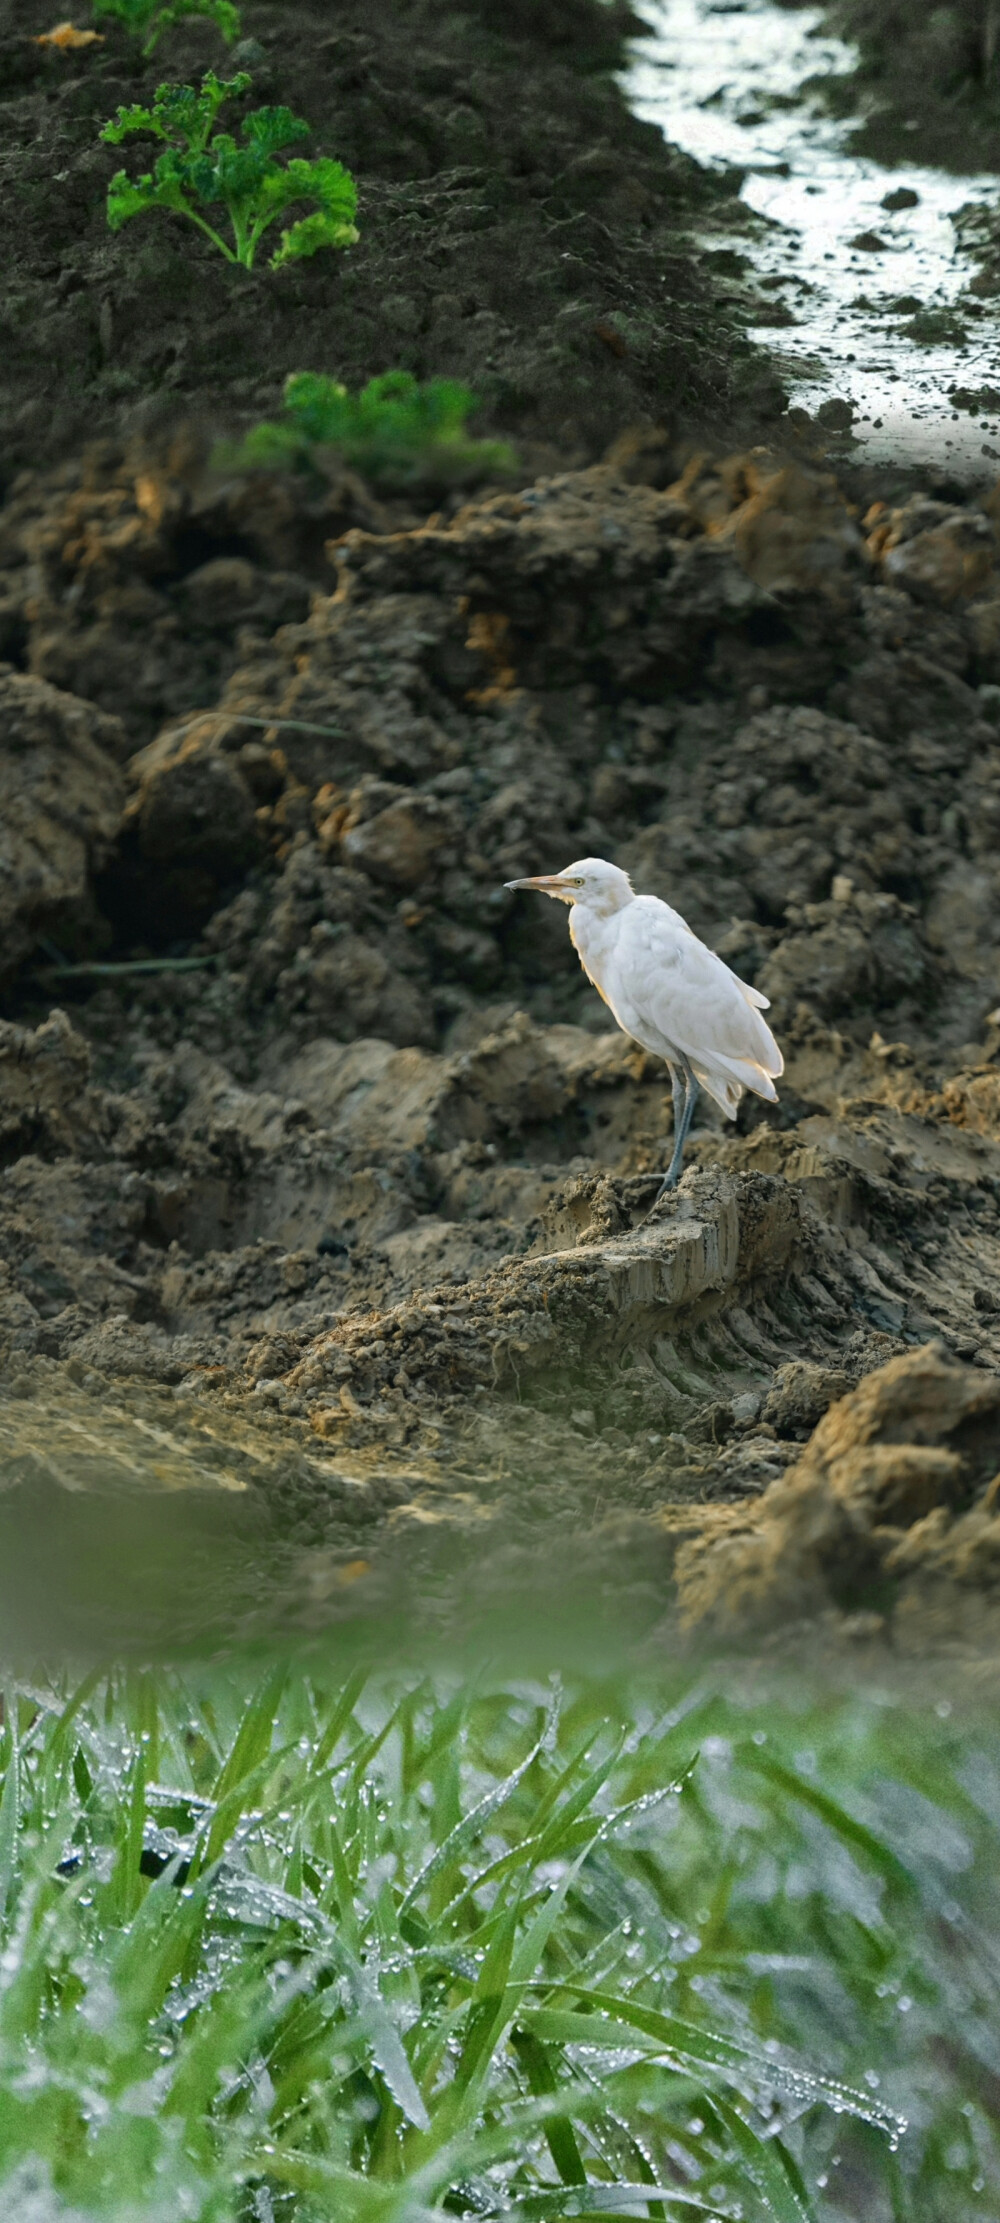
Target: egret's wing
{"points": [[670, 992]]}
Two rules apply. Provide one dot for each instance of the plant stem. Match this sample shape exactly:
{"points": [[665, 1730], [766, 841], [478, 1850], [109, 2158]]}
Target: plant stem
{"points": [[244, 245], [212, 235], [111, 971], [295, 725], [258, 231]]}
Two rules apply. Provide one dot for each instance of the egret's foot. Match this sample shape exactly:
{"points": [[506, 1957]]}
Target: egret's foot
{"points": [[668, 1182]]}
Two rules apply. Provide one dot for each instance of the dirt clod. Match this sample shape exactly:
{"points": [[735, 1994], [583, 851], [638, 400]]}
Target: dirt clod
{"points": [[63, 793], [896, 1462]]}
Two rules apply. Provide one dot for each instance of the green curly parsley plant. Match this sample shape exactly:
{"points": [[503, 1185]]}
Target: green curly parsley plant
{"points": [[149, 19], [396, 432], [203, 168]]}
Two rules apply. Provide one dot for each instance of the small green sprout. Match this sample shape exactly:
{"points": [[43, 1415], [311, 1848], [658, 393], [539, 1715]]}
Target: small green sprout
{"points": [[149, 19], [394, 431], [204, 168]]}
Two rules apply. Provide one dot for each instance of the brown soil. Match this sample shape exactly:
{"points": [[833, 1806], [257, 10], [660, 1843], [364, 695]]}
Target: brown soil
{"points": [[519, 228], [354, 1218]]}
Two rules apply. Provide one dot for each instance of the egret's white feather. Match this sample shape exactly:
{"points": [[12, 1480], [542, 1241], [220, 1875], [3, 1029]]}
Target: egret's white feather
{"points": [[672, 994], [666, 988]]}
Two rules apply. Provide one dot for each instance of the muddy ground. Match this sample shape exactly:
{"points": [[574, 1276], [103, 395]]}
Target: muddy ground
{"points": [[518, 228], [925, 78], [352, 1214]]}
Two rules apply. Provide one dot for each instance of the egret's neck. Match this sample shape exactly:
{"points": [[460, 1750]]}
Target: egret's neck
{"points": [[596, 908], [593, 931]]}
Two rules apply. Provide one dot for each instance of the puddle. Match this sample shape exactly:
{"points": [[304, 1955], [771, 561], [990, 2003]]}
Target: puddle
{"points": [[724, 82]]}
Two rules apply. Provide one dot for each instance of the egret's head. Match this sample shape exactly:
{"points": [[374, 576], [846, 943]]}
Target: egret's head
{"points": [[597, 886]]}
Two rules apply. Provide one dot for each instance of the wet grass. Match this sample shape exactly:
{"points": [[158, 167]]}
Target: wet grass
{"points": [[294, 1947]]}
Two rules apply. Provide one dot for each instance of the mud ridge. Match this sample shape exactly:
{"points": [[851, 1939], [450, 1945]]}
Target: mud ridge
{"points": [[324, 1183]]}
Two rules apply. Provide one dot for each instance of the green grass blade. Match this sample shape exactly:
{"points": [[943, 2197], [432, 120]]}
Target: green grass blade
{"points": [[560, 2136], [390, 2056], [853, 1833], [255, 1737], [697, 2050], [762, 2159], [473, 1824], [10, 1800], [607, 2200], [342, 1713]]}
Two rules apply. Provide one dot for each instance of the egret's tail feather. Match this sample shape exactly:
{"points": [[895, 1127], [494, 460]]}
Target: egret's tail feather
{"points": [[723, 1091], [767, 1056], [753, 995], [726, 1084]]}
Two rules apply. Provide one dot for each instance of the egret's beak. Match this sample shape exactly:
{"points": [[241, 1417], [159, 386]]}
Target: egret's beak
{"points": [[547, 883]]}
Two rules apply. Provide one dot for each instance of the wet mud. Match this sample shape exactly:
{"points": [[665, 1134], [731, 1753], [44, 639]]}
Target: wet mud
{"points": [[325, 1186], [870, 271], [925, 84], [921, 73]]}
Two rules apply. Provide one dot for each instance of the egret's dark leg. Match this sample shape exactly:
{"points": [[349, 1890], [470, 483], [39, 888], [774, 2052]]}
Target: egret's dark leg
{"points": [[684, 1088], [678, 1090]]}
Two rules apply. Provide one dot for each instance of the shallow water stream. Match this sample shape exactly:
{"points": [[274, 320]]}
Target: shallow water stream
{"points": [[881, 316]]}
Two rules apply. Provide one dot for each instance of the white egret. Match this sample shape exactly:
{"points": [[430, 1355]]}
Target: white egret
{"points": [[668, 991]]}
